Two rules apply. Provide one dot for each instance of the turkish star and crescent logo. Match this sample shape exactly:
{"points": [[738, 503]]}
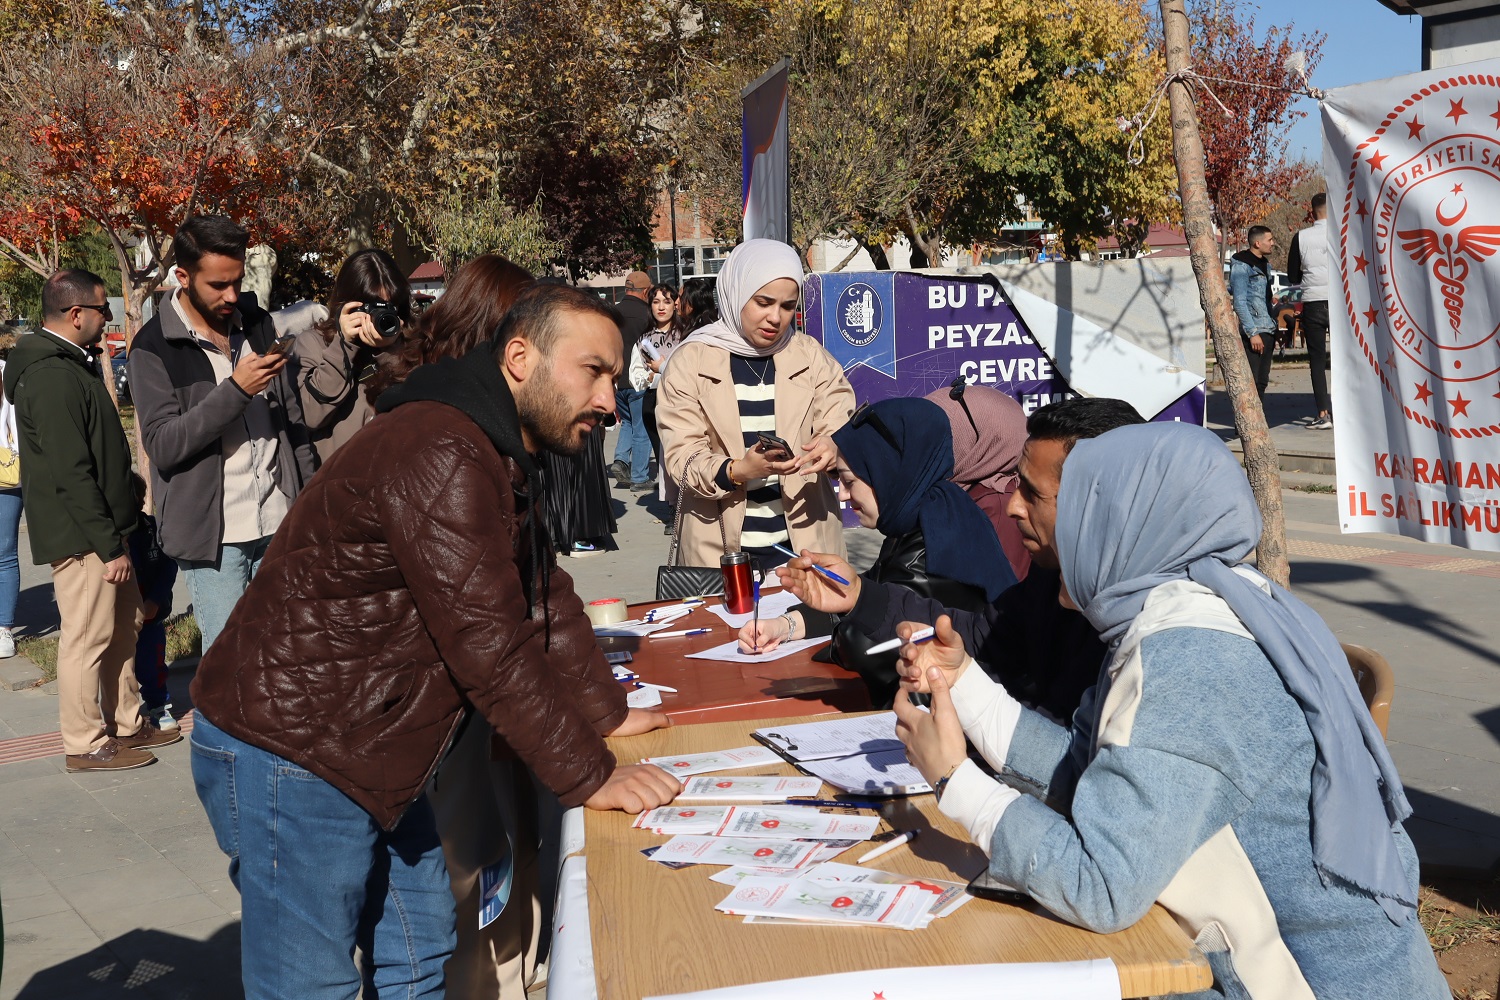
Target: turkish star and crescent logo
{"points": [[1419, 241]]}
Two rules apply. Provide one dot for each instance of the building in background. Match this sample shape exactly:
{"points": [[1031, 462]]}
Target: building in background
{"points": [[1454, 31]]}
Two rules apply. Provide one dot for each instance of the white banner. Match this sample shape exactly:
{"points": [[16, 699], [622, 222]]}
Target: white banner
{"points": [[1413, 169]]}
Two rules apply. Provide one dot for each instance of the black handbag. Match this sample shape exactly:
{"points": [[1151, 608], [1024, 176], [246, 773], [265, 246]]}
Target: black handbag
{"points": [[674, 582]]}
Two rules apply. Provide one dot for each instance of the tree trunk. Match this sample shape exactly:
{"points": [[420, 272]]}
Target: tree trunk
{"points": [[1072, 246], [1261, 462], [877, 255]]}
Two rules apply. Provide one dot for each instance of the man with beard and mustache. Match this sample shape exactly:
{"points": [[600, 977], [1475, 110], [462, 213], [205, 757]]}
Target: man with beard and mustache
{"points": [[410, 586], [219, 418]]}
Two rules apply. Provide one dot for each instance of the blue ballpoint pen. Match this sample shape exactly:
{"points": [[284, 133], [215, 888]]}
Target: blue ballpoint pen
{"points": [[826, 572], [836, 804]]}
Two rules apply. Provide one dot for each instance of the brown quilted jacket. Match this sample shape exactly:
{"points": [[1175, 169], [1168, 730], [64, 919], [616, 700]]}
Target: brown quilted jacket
{"points": [[390, 598]]}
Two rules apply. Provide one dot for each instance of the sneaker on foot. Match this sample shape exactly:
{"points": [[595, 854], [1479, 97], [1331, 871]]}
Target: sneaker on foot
{"points": [[648, 486], [1321, 424], [7, 644], [161, 718], [111, 757], [582, 549], [149, 736], [620, 470]]}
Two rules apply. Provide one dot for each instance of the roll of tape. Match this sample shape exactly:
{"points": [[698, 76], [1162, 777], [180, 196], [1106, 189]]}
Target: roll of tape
{"points": [[609, 611]]}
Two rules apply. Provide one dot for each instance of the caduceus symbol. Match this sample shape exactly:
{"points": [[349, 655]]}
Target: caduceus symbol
{"points": [[1447, 252]]}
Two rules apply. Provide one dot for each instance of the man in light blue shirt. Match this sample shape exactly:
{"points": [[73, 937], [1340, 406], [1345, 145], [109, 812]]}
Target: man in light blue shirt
{"points": [[1250, 285]]}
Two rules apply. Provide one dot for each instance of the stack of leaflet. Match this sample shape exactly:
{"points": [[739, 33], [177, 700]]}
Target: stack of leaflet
{"points": [[773, 837], [854, 753], [835, 894]]}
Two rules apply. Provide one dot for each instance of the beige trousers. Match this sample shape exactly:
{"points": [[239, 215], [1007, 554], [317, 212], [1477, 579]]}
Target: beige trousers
{"points": [[97, 693], [475, 800]]}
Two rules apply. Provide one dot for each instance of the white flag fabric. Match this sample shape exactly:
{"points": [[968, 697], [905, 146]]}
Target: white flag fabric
{"points": [[1413, 170]]}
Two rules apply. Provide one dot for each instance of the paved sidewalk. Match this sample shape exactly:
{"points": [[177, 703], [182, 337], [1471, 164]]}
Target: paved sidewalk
{"points": [[113, 886]]}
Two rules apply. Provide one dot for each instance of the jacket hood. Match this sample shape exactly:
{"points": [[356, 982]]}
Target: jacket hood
{"points": [[474, 385], [1249, 257], [34, 347]]}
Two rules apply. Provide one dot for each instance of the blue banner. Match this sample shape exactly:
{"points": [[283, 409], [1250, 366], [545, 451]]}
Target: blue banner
{"points": [[859, 319]]}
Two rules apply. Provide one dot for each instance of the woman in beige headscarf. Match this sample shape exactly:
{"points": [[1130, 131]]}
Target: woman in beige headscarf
{"points": [[746, 374]]}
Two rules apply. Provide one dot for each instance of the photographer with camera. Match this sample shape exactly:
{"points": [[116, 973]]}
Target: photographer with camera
{"points": [[370, 304]]}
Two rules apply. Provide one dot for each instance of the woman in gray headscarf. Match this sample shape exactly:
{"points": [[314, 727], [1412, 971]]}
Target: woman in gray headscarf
{"points": [[1224, 765], [746, 374]]}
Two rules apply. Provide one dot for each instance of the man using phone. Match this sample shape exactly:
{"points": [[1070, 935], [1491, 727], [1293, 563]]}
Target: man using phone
{"points": [[219, 418]]}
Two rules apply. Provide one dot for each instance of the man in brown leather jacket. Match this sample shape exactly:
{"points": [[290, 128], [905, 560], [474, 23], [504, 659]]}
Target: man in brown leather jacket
{"points": [[410, 585]]}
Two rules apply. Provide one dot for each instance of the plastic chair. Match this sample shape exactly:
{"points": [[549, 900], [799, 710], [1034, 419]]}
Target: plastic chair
{"points": [[1375, 679]]}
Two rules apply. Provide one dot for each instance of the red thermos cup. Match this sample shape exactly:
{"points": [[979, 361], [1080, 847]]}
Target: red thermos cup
{"points": [[739, 593]]}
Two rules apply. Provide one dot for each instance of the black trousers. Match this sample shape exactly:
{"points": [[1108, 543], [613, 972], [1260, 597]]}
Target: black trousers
{"points": [[1260, 364], [1315, 334]]}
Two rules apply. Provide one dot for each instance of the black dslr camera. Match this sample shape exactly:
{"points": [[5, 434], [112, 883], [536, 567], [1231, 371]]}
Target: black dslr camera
{"points": [[385, 317]]}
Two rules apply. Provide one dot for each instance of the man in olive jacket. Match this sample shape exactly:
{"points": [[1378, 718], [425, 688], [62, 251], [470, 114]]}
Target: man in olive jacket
{"points": [[80, 506]]}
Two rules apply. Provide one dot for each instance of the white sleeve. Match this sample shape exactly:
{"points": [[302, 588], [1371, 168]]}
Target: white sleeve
{"points": [[640, 375], [987, 712], [977, 801]]}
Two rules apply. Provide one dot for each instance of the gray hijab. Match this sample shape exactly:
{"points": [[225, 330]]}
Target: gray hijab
{"points": [[1144, 505]]}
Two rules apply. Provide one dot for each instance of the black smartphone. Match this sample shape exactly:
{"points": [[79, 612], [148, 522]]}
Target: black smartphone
{"points": [[282, 345], [771, 443], [986, 886], [620, 656]]}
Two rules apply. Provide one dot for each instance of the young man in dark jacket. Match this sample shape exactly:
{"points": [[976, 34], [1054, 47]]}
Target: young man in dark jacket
{"points": [[410, 585], [1046, 655], [80, 507], [220, 420]]}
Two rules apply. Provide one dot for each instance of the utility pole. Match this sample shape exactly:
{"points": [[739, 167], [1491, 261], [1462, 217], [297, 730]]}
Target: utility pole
{"points": [[1262, 464]]}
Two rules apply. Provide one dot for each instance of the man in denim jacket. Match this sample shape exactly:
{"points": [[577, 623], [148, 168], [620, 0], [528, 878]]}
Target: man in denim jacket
{"points": [[1250, 285]]}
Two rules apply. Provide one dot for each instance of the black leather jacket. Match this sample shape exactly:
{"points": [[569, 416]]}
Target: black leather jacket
{"points": [[902, 561]]}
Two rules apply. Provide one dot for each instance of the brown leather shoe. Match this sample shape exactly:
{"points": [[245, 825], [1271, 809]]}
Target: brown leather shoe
{"points": [[110, 757], [149, 736]]}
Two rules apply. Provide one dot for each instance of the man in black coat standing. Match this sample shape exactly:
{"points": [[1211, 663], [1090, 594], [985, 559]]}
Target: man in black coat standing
{"points": [[632, 465]]}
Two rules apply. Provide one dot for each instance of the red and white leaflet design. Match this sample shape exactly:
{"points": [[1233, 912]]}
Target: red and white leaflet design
{"points": [[946, 896], [751, 789], [848, 903], [738, 851], [796, 823], [717, 760], [673, 820]]}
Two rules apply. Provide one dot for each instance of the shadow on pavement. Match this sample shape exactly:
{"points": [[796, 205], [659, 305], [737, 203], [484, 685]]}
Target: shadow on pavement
{"points": [[1452, 839], [1403, 607], [147, 963], [36, 609]]}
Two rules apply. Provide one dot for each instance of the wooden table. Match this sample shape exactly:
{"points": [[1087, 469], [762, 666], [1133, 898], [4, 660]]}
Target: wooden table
{"points": [[656, 931], [718, 692]]}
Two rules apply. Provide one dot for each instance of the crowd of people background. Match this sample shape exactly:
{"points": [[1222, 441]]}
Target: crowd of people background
{"points": [[399, 686]]}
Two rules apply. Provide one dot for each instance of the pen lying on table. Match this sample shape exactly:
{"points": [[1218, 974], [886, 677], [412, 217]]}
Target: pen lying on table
{"points": [[836, 804]]}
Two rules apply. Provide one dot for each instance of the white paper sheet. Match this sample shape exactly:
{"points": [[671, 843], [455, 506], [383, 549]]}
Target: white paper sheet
{"points": [[841, 737], [773, 604], [729, 652], [844, 902], [737, 851], [643, 698], [887, 773], [629, 629], [1096, 979]]}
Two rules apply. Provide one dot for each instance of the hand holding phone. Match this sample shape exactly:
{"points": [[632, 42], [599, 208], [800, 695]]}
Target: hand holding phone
{"points": [[282, 345], [770, 444]]}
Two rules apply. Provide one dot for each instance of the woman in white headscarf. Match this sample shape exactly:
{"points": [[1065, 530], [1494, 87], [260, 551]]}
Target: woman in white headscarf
{"points": [[746, 374]]}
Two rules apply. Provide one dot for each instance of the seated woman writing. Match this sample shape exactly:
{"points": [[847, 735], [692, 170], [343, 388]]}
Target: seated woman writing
{"points": [[895, 460], [1224, 765]]}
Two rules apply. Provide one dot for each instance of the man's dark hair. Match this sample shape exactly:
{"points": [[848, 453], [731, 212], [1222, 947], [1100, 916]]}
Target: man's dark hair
{"points": [[1319, 200], [537, 314], [206, 234], [1074, 419], [1255, 233], [68, 288]]}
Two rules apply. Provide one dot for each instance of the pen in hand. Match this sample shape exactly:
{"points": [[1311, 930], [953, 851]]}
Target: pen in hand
{"points": [[826, 572]]}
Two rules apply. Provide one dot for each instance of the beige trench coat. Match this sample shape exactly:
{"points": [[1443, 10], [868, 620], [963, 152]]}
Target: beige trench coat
{"points": [[699, 421]]}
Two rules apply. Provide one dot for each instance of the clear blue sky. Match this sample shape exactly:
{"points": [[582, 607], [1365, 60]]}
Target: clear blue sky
{"points": [[1366, 41]]}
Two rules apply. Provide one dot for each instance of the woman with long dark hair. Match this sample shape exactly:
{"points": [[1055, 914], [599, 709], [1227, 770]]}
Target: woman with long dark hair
{"points": [[467, 315], [337, 355], [647, 358]]}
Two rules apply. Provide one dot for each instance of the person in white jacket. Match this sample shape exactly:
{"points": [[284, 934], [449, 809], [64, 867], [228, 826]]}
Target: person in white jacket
{"points": [[1307, 265]]}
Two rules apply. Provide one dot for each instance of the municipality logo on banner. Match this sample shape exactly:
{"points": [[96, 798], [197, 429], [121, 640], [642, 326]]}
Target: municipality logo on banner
{"points": [[859, 320], [1413, 170]]}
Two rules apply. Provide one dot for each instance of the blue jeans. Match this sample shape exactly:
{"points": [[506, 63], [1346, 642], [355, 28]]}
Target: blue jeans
{"points": [[634, 445], [217, 586], [10, 565], [317, 876]]}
